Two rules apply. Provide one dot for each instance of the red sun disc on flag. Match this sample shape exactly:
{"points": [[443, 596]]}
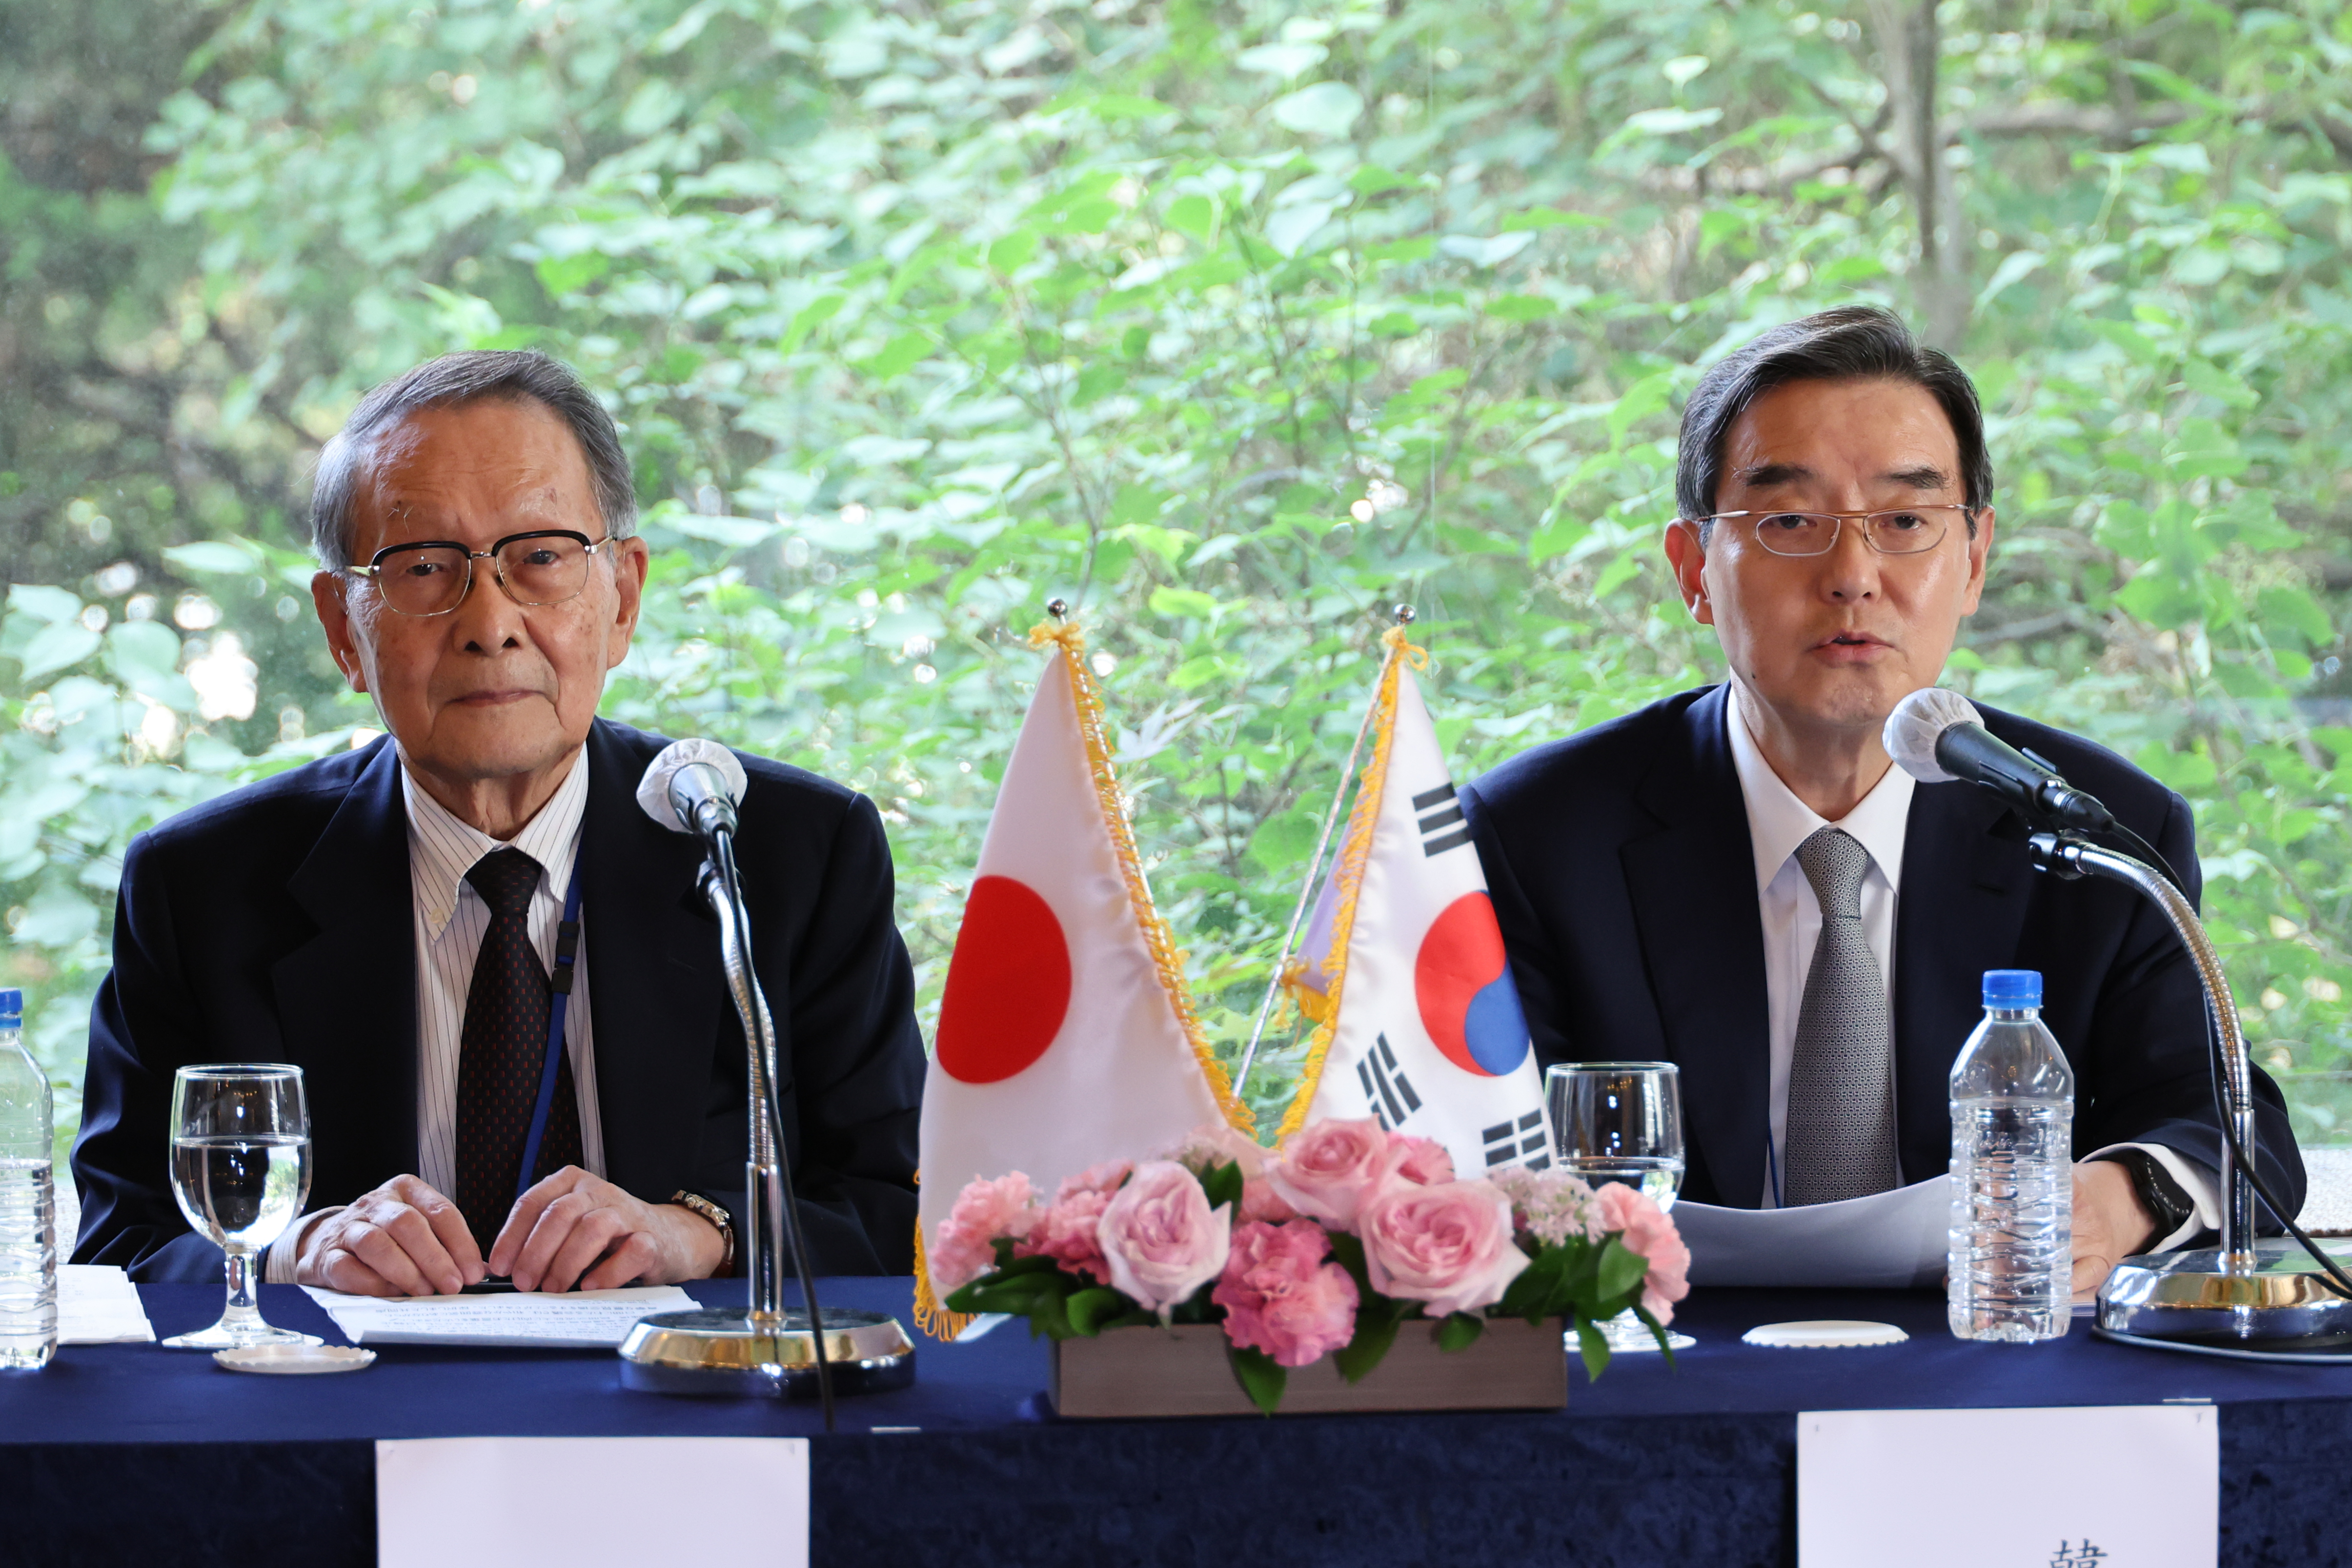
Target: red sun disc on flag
{"points": [[1008, 985]]}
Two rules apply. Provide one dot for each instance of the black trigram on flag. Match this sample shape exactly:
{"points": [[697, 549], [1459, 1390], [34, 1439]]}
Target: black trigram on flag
{"points": [[1517, 1142], [1440, 820], [1386, 1086]]}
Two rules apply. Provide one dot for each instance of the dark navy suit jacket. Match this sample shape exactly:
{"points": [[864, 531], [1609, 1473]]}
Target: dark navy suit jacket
{"points": [[275, 923], [1622, 876]]}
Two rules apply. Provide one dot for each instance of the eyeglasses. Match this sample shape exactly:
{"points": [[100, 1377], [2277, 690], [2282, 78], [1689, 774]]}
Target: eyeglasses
{"points": [[430, 578], [1903, 530]]}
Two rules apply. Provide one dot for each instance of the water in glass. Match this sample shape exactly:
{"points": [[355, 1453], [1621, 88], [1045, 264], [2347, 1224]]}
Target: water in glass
{"points": [[241, 1171]]}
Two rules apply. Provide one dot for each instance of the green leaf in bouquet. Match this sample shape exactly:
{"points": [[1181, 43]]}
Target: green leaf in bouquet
{"points": [[1594, 1348], [1377, 1318], [1035, 1264], [1094, 1308], [1460, 1331], [1657, 1332], [1260, 1376], [1622, 1268], [1223, 1185], [1536, 1294], [1348, 1251]]}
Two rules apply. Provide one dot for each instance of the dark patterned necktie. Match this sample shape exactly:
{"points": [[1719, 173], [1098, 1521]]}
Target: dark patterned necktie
{"points": [[1841, 1122], [501, 1052]]}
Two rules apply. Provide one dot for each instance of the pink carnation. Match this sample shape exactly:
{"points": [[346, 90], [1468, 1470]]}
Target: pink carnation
{"points": [[1161, 1239], [1281, 1298], [1650, 1232], [1068, 1231], [1449, 1246], [1421, 1161], [986, 1211], [1330, 1170], [1261, 1202]]}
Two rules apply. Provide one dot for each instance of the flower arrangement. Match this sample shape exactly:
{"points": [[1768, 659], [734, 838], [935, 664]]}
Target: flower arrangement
{"points": [[1329, 1246]]}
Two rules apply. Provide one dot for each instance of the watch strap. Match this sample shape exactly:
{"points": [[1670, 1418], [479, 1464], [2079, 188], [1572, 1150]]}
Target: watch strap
{"points": [[2153, 1185]]}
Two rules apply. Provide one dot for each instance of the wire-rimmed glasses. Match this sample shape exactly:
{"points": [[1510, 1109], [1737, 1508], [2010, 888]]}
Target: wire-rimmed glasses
{"points": [[545, 566], [241, 1171], [1897, 530], [1621, 1121]]}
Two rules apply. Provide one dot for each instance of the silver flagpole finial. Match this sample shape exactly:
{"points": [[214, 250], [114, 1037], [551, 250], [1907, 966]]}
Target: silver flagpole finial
{"points": [[1059, 609], [1404, 614]]}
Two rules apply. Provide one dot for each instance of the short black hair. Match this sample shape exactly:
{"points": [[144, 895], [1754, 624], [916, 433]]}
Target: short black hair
{"points": [[507, 375], [1851, 343]]}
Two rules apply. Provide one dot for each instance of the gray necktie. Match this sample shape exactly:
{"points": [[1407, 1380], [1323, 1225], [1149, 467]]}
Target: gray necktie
{"points": [[1841, 1124]]}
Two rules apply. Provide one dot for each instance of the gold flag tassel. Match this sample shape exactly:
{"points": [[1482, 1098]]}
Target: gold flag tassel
{"points": [[931, 1315]]}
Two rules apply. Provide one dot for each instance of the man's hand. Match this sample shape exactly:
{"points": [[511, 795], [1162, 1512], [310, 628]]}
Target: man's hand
{"points": [[577, 1229], [402, 1239], [2110, 1223]]}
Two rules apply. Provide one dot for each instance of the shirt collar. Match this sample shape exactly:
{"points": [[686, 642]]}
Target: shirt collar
{"points": [[1778, 821], [442, 849]]}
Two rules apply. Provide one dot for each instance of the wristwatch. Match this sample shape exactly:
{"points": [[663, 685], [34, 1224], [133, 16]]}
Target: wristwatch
{"points": [[2157, 1192], [717, 1217]]}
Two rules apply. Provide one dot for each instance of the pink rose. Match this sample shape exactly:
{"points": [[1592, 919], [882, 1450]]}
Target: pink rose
{"points": [[1216, 1144], [1448, 1247], [1281, 1298], [964, 1247], [1421, 1161], [1650, 1232], [1261, 1202], [1161, 1239], [1331, 1169], [1066, 1231]]}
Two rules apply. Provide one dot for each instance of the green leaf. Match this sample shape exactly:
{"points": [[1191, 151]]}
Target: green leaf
{"points": [[1520, 307], [902, 354], [1179, 601], [1013, 252], [57, 647], [1326, 109], [809, 318], [1284, 840], [1622, 1268], [1375, 1330], [1592, 1346], [1459, 1331], [50, 605], [216, 557], [1088, 1309], [1223, 1184], [1261, 1377]]}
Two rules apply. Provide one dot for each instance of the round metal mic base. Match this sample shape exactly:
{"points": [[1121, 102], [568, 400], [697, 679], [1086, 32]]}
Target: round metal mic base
{"points": [[716, 1352], [2189, 1299]]}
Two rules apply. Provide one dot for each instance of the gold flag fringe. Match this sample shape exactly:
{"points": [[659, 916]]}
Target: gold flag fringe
{"points": [[1071, 638], [1354, 850], [931, 1314]]}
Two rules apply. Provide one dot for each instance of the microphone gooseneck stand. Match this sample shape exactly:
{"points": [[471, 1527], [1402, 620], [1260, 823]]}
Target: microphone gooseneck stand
{"points": [[2268, 1299], [766, 1350]]}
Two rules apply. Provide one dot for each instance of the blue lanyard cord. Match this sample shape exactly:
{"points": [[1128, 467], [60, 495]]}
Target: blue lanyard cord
{"points": [[567, 949]]}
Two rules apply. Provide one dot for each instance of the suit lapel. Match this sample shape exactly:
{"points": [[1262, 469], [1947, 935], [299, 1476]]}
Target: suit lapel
{"points": [[347, 998], [1692, 886], [1966, 882], [654, 983]]}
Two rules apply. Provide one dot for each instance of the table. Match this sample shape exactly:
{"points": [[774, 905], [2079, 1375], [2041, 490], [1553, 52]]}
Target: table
{"points": [[130, 1453]]}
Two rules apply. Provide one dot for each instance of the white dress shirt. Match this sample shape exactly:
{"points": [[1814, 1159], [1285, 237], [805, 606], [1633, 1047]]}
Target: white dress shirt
{"points": [[1777, 823], [451, 918]]}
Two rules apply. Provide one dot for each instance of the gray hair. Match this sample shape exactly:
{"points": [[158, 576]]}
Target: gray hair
{"points": [[506, 375]]}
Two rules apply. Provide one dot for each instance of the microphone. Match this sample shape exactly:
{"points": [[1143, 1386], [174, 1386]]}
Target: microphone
{"points": [[1938, 738], [692, 787]]}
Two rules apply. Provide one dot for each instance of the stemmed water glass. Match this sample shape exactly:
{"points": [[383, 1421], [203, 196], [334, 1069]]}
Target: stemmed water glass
{"points": [[241, 1170], [1621, 1121]]}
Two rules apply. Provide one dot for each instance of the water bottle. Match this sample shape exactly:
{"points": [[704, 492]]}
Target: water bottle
{"points": [[2012, 1243], [28, 1235]]}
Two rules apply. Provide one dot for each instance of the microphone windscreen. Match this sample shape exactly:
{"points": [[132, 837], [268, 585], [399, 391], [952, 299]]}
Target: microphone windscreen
{"points": [[1912, 729], [652, 789]]}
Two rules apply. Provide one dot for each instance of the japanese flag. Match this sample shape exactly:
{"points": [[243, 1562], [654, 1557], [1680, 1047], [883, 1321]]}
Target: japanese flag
{"points": [[1402, 965], [1066, 1037]]}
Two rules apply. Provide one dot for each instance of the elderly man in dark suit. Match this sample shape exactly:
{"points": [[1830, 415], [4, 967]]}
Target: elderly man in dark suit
{"points": [[1664, 881], [388, 919]]}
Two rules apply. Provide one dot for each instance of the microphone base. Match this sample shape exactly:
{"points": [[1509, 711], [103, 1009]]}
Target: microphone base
{"points": [[2275, 1298], [721, 1352]]}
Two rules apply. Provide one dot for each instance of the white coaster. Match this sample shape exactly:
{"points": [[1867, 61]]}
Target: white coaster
{"points": [[295, 1359], [1822, 1334]]}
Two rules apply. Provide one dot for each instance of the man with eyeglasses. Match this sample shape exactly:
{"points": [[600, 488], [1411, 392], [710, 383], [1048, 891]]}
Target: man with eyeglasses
{"points": [[1739, 879], [394, 920]]}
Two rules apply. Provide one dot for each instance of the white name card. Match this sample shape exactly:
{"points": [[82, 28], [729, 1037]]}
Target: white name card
{"points": [[440, 1500], [2131, 1486]]}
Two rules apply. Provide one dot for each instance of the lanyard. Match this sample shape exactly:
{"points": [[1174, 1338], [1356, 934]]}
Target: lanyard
{"points": [[567, 948]]}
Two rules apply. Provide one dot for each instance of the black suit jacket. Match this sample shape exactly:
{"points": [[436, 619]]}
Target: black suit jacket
{"points": [[275, 924], [1622, 876]]}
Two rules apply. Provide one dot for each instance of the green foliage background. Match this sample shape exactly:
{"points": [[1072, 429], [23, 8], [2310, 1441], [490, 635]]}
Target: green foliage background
{"points": [[1234, 321]]}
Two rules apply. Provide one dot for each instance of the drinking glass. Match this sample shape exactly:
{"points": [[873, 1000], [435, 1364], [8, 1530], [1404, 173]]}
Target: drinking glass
{"points": [[241, 1170], [1621, 1121]]}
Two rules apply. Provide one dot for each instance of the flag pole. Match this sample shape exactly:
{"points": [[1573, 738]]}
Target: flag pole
{"points": [[1404, 616]]}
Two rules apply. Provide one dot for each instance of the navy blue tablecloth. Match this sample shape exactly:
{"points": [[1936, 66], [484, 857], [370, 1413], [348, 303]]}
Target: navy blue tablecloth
{"points": [[133, 1453]]}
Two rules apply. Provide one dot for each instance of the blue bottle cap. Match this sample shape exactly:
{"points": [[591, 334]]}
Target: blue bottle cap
{"points": [[2012, 988], [12, 1007]]}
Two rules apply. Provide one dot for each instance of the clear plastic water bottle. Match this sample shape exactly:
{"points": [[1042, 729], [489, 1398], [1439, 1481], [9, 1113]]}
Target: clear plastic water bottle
{"points": [[28, 1234], [2010, 1250]]}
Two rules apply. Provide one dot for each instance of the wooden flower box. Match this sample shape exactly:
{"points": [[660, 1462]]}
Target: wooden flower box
{"points": [[1184, 1370]]}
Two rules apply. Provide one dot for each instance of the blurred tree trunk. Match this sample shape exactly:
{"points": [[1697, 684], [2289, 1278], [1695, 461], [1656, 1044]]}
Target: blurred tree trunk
{"points": [[1909, 45]]}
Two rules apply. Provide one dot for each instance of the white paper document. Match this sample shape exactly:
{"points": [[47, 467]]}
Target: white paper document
{"points": [[1893, 1240], [578, 1320], [98, 1305], [2098, 1488], [444, 1501]]}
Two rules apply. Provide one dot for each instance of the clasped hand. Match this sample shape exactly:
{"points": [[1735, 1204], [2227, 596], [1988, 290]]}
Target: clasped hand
{"points": [[572, 1230]]}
